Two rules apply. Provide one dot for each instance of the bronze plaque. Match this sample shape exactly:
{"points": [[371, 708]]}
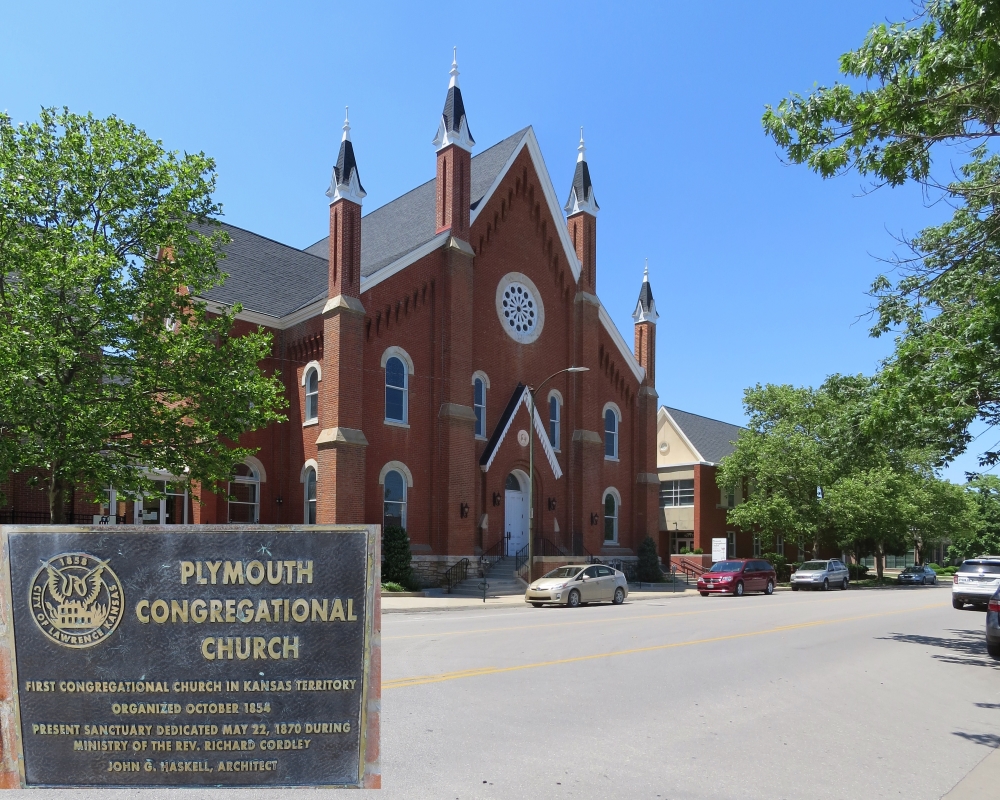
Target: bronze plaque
{"points": [[192, 655]]}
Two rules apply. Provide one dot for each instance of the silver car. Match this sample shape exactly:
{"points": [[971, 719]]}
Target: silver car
{"points": [[575, 585], [976, 581], [821, 575]]}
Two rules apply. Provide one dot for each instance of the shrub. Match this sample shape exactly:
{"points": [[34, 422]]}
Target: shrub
{"points": [[649, 563], [396, 556], [857, 571], [698, 551], [781, 568], [392, 586], [683, 551], [936, 567]]}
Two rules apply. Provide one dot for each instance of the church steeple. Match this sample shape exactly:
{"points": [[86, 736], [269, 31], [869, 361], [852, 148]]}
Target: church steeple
{"points": [[345, 182], [581, 195], [645, 318], [645, 309], [454, 127]]}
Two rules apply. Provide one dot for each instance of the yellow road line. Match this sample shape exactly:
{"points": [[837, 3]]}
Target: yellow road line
{"points": [[566, 623], [421, 680]]}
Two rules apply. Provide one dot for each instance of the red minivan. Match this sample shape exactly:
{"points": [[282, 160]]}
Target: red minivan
{"points": [[736, 576]]}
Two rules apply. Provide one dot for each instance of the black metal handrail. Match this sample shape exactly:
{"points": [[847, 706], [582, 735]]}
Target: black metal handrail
{"points": [[520, 559], [9, 516], [490, 557], [455, 574], [545, 547]]}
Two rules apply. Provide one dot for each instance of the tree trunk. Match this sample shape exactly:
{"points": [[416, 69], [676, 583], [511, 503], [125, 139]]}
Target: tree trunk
{"points": [[57, 497], [879, 562]]}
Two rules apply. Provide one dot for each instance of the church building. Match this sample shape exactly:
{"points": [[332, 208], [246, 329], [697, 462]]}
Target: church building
{"points": [[410, 341]]}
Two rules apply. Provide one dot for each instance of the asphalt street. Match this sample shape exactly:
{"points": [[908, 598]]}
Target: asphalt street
{"points": [[865, 693], [857, 694]]}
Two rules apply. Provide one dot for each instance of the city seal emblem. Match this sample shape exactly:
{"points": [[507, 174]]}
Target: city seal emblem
{"points": [[76, 600]]}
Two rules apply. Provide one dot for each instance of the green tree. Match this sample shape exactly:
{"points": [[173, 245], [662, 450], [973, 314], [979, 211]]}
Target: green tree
{"points": [[983, 536], [396, 556], [649, 563], [111, 365], [930, 87]]}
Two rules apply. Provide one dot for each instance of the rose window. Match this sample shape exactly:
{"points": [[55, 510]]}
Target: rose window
{"points": [[519, 309]]}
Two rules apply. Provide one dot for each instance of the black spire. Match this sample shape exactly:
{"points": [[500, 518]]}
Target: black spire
{"points": [[346, 180], [454, 127], [581, 194], [645, 308]]}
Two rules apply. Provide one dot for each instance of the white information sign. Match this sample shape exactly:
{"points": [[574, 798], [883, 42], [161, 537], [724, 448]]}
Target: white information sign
{"points": [[718, 550]]}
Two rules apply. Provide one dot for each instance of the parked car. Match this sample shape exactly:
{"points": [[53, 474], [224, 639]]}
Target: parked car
{"points": [[576, 585], [736, 576], [917, 575], [976, 581], [821, 575], [993, 625]]}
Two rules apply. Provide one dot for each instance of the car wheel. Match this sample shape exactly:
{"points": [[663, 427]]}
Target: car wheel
{"points": [[769, 589], [956, 603], [795, 588], [993, 648], [574, 599], [537, 605], [704, 594], [826, 584], [845, 584], [934, 581], [619, 596], [738, 590]]}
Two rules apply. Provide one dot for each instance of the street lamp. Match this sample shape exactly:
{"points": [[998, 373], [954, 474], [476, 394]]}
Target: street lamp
{"points": [[531, 465]]}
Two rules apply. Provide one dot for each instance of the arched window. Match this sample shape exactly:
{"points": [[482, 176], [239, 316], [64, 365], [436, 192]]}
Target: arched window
{"points": [[394, 500], [611, 420], [479, 404], [244, 491], [310, 496], [555, 412], [395, 390], [611, 505], [312, 395]]}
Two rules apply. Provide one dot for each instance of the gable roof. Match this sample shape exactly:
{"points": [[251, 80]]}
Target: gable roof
{"points": [[517, 399], [252, 263], [711, 439]]}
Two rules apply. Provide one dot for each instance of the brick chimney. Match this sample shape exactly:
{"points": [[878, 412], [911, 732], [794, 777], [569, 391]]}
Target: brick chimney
{"points": [[454, 145], [582, 209]]}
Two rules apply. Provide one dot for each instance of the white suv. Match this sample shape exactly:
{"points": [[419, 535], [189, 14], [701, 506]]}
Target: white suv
{"points": [[976, 581]]}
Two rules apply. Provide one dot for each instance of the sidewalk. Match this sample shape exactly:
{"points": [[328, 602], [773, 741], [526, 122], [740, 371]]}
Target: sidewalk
{"points": [[446, 602], [981, 782]]}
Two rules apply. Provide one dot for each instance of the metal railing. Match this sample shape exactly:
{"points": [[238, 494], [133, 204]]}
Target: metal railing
{"points": [[545, 547], [455, 574], [9, 516], [521, 562], [490, 557]]}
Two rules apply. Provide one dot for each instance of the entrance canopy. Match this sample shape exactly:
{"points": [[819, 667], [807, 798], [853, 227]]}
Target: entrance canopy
{"points": [[521, 396]]}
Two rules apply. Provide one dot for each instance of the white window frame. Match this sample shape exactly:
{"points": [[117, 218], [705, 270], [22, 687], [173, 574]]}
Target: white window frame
{"points": [[260, 477], [311, 367], [756, 546], [674, 491], [479, 375], [617, 432], [779, 544], [309, 466], [611, 490], [557, 440], [402, 469], [404, 357], [730, 544]]}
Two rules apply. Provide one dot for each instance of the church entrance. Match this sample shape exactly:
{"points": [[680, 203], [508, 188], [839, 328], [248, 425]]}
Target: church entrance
{"points": [[516, 512]]}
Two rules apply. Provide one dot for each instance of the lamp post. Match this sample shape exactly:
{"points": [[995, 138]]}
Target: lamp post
{"points": [[531, 465]]}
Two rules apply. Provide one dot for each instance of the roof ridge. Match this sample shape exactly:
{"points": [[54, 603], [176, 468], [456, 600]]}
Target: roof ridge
{"points": [[267, 238], [701, 416]]}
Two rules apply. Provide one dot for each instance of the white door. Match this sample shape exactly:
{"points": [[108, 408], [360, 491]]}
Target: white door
{"points": [[516, 520]]}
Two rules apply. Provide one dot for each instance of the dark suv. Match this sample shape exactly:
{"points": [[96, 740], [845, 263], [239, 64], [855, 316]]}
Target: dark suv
{"points": [[736, 576]]}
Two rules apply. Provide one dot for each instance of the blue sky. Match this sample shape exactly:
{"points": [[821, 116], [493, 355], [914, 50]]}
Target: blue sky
{"points": [[760, 270]]}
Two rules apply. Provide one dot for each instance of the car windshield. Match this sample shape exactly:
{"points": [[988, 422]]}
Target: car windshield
{"points": [[991, 567], [726, 566], [564, 572], [813, 565], [913, 569]]}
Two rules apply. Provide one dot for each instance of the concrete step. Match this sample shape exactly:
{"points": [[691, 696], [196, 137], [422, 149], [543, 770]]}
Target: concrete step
{"points": [[498, 587]]}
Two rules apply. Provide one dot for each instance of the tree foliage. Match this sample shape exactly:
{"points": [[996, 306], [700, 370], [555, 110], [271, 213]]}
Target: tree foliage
{"points": [[396, 556], [983, 537], [931, 88], [649, 563], [111, 366]]}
